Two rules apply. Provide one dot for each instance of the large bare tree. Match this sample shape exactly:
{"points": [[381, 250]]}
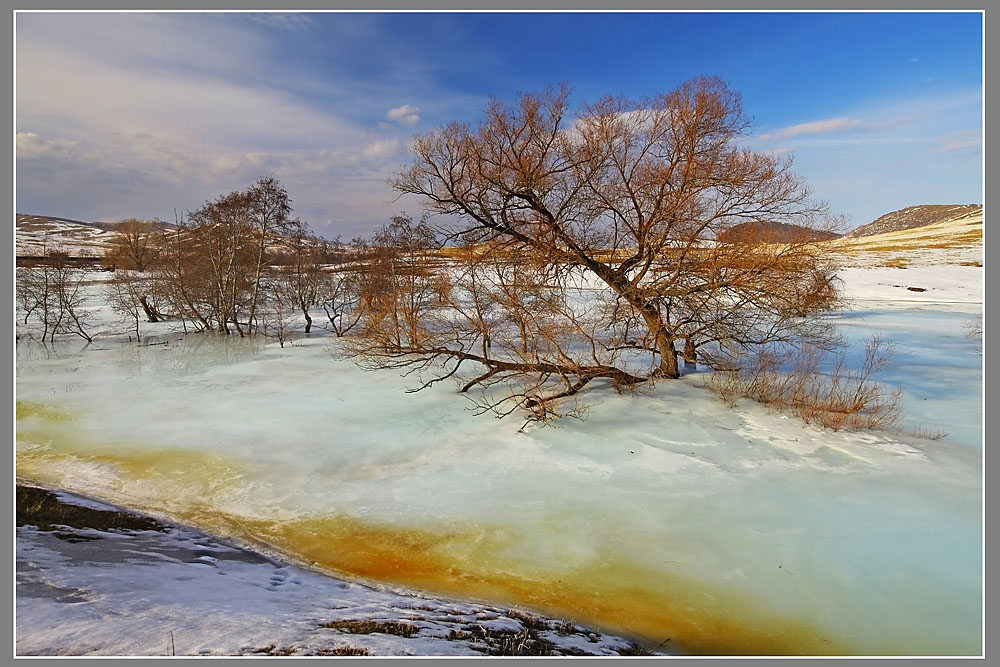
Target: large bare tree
{"points": [[593, 249]]}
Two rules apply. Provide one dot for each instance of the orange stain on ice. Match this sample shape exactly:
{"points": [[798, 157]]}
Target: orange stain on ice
{"points": [[647, 604]]}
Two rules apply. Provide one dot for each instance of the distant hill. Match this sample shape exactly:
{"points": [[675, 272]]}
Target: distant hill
{"points": [[956, 241], [915, 216], [86, 241], [760, 231], [46, 222], [36, 233]]}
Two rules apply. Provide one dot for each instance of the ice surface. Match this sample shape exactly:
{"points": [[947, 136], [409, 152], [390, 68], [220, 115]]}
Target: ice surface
{"points": [[663, 514]]}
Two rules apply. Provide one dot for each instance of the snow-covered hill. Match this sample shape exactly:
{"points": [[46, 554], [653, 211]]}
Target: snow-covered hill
{"points": [[37, 233], [916, 216]]}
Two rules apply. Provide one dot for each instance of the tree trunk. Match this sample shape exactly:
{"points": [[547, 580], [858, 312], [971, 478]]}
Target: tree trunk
{"points": [[668, 357], [256, 279], [151, 315], [690, 354], [668, 367], [309, 320]]}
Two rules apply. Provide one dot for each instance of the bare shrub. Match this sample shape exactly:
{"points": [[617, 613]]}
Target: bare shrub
{"points": [[127, 295], [274, 312], [339, 293], [816, 385], [299, 277]]}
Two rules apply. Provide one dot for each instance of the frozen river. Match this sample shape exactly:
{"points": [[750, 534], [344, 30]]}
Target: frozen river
{"points": [[665, 515]]}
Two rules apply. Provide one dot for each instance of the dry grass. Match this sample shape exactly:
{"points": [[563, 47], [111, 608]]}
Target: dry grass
{"points": [[457, 252], [272, 650], [942, 238], [367, 627], [959, 234], [923, 243], [896, 263]]}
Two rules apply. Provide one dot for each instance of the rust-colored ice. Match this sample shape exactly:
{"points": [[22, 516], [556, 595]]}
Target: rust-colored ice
{"points": [[644, 603]]}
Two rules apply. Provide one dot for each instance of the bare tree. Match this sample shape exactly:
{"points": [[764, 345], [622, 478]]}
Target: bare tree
{"points": [[400, 288], [213, 267], [53, 292], [181, 280], [339, 293], [300, 278], [128, 295], [135, 245], [268, 214], [619, 207], [36, 295], [226, 249], [275, 311]]}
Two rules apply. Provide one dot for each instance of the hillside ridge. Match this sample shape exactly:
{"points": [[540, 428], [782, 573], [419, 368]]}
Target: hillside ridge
{"points": [[915, 216]]}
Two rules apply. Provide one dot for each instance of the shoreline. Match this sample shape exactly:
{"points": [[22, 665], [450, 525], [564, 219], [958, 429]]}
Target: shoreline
{"points": [[80, 560]]}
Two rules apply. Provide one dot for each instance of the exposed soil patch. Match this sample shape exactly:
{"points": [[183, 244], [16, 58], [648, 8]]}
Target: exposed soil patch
{"points": [[41, 508]]}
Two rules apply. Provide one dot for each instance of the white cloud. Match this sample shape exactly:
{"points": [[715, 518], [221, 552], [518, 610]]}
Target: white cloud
{"points": [[957, 141], [404, 115], [865, 131], [381, 148], [815, 128], [280, 19], [29, 145]]}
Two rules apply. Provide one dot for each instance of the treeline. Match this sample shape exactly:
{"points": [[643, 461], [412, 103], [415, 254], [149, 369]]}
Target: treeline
{"points": [[240, 264]]}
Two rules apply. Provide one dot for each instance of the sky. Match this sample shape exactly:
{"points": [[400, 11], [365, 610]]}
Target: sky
{"points": [[151, 114]]}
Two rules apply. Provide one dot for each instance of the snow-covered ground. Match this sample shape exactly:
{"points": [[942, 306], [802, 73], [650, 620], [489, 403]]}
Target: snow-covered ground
{"points": [[663, 515], [943, 286]]}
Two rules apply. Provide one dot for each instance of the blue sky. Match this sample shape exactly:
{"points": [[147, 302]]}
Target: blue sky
{"points": [[141, 114]]}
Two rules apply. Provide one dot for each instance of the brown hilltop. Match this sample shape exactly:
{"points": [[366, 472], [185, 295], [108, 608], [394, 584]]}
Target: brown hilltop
{"points": [[761, 231]]}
